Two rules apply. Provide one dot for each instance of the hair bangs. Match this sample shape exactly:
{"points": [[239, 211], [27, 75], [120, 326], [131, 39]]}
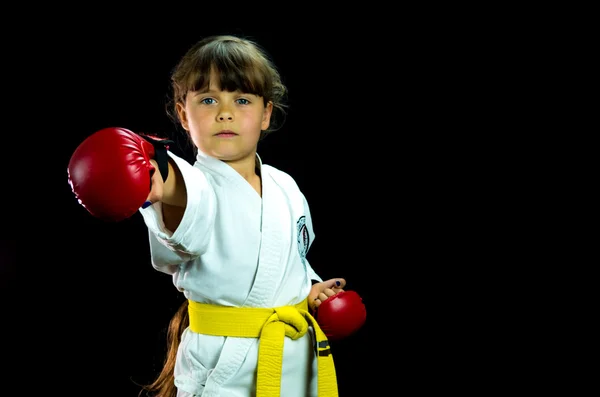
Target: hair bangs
{"points": [[234, 68]]}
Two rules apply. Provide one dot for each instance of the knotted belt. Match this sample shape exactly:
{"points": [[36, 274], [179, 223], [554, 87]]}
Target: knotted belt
{"points": [[271, 326]]}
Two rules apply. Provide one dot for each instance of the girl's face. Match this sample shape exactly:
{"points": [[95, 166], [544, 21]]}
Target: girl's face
{"points": [[225, 125]]}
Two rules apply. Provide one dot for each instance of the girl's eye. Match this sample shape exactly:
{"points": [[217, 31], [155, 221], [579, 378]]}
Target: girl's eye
{"points": [[243, 101], [207, 101]]}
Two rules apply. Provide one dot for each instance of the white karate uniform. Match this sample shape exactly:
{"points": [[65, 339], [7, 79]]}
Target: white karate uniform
{"points": [[235, 248]]}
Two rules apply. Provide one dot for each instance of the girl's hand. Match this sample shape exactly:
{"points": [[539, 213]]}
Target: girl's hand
{"points": [[157, 186], [321, 291]]}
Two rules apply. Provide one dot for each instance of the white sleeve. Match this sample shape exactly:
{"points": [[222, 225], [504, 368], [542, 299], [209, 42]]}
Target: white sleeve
{"points": [[195, 229], [164, 259], [312, 275]]}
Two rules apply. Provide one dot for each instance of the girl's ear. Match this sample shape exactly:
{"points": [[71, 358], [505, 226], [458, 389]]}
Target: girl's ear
{"points": [[181, 113], [266, 119]]}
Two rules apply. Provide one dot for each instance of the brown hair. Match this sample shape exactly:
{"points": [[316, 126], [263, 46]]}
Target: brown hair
{"points": [[164, 385], [240, 63]]}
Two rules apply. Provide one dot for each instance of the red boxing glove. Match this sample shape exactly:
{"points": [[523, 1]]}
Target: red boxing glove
{"points": [[341, 315], [110, 173]]}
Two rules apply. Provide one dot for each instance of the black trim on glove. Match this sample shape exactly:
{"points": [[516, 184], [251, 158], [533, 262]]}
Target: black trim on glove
{"points": [[161, 146]]}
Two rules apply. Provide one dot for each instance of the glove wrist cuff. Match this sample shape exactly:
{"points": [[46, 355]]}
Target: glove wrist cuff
{"points": [[161, 146]]}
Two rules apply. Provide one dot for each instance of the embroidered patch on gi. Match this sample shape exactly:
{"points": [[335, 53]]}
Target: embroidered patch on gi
{"points": [[303, 237]]}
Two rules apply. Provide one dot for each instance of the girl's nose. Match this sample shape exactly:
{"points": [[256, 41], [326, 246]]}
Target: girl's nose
{"points": [[225, 114]]}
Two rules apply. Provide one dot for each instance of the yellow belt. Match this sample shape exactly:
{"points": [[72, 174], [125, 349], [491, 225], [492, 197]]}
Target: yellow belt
{"points": [[271, 326]]}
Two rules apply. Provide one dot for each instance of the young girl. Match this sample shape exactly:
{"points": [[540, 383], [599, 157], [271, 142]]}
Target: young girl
{"points": [[231, 231], [234, 233]]}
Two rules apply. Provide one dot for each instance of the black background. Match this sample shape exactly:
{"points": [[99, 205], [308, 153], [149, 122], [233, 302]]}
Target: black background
{"points": [[400, 134]]}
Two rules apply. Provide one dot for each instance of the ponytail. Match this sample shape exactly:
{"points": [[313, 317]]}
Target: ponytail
{"points": [[164, 384]]}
